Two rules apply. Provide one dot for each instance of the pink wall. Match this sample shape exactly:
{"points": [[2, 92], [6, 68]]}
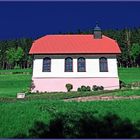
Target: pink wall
{"points": [[58, 84]]}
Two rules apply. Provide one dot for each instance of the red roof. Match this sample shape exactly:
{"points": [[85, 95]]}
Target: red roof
{"points": [[74, 44]]}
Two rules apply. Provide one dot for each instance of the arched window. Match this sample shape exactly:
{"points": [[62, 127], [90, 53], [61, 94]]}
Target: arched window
{"points": [[81, 64], [103, 64], [68, 64], [46, 64]]}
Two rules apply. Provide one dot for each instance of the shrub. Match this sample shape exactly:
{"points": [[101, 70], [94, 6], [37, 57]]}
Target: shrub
{"points": [[69, 87], [88, 88], [101, 88], [79, 89], [124, 85], [128, 86], [135, 84], [84, 88], [32, 86], [96, 88], [26, 90]]}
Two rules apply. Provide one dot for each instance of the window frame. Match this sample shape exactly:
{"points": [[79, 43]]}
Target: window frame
{"points": [[48, 64], [78, 64], [103, 64], [65, 69]]}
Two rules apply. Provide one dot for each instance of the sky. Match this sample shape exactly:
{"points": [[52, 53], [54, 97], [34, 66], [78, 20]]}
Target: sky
{"points": [[36, 19]]}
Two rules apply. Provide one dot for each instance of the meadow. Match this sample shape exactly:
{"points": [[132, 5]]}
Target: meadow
{"points": [[129, 75], [18, 116], [11, 84]]}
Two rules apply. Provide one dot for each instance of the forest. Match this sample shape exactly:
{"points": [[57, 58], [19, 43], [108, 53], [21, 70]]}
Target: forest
{"points": [[14, 53]]}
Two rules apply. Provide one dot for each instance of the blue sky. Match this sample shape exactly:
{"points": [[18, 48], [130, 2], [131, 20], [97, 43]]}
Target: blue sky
{"points": [[35, 19]]}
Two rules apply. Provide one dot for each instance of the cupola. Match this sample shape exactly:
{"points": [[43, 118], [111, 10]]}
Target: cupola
{"points": [[97, 32]]}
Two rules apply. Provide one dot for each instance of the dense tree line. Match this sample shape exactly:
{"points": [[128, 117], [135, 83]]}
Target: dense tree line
{"points": [[129, 42], [14, 53]]}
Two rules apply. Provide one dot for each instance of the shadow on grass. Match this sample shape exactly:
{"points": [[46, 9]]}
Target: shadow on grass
{"points": [[83, 125]]}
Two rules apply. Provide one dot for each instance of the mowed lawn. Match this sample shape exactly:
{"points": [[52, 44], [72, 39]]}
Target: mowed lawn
{"points": [[129, 75], [11, 84], [18, 117]]}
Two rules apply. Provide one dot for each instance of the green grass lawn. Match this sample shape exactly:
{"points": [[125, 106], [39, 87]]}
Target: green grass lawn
{"points": [[11, 84], [129, 75], [18, 116]]}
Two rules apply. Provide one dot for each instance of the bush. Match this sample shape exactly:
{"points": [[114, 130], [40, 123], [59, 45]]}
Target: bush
{"points": [[135, 84], [26, 91], [69, 87], [88, 88], [32, 86], [96, 88], [128, 86], [79, 89], [84, 88], [101, 88], [124, 85]]}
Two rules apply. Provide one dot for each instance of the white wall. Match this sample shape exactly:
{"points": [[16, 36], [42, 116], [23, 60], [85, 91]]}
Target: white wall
{"points": [[58, 61]]}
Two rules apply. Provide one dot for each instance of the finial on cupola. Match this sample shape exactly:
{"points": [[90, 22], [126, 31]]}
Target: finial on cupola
{"points": [[97, 32]]}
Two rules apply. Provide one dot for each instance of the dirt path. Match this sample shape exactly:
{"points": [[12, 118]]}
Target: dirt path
{"points": [[104, 98]]}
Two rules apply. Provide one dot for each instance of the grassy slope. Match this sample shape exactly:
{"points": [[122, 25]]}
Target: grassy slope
{"points": [[11, 84], [18, 117], [129, 75]]}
